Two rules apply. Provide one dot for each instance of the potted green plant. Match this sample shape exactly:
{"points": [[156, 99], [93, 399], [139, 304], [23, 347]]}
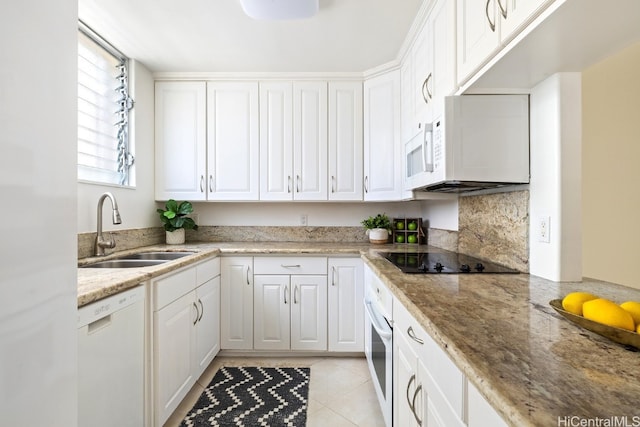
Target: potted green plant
{"points": [[377, 228], [175, 220]]}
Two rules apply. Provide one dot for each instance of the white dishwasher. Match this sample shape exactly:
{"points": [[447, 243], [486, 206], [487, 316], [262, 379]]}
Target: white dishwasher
{"points": [[111, 360]]}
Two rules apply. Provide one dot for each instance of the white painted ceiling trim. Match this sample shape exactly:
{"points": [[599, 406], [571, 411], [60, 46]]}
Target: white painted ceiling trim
{"points": [[243, 76]]}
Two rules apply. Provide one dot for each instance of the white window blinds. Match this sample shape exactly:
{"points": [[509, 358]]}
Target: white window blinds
{"points": [[103, 112]]}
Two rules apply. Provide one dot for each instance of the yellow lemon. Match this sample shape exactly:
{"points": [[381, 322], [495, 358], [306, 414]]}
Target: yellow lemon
{"points": [[638, 330], [633, 307], [573, 302], [608, 313]]}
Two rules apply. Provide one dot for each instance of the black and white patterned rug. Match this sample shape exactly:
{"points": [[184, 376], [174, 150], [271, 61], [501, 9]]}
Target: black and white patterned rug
{"points": [[253, 397]]}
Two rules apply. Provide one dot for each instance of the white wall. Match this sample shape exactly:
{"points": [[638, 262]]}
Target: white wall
{"points": [[136, 204], [442, 214], [555, 189], [288, 214], [611, 151], [38, 284]]}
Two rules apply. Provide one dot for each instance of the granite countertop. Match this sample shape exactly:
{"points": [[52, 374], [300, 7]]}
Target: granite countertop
{"points": [[531, 364]]}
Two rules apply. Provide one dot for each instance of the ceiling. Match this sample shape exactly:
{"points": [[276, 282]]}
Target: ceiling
{"points": [[216, 35]]}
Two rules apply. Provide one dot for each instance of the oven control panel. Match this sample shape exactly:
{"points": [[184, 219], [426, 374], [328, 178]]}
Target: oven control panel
{"points": [[376, 291]]}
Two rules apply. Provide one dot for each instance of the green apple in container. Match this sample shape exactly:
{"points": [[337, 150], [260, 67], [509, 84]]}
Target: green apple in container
{"points": [[399, 238], [412, 238], [400, 225], [412, 226]]}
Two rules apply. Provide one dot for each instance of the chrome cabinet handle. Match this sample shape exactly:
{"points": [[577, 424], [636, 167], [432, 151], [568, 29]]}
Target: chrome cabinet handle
{"points": [[289, 184], [366, 184], [248, 283], [492, 25], [424, 90], [333, 184], [503, 10], [409, 400], [413, 336], [290, 265], [286, 291], [201, 309], [197, 313], [297, 183], [202, 183], [333, 276], [426, 86], [295, 295], [413, 404], [211, 183]]}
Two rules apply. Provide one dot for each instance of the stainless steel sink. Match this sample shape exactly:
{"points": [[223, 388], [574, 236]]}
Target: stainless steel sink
{"points": [[125, 263], [166, 256]]}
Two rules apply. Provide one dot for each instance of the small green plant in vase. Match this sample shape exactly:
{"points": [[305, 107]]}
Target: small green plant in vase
{"points": [[175, 220], [377, 228]]}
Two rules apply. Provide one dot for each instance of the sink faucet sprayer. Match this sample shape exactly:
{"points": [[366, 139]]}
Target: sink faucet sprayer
{"points": [[101, 243]]}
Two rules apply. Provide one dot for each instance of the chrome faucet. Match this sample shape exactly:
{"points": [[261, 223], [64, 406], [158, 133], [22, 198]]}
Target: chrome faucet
{"points": [[101, 242]]}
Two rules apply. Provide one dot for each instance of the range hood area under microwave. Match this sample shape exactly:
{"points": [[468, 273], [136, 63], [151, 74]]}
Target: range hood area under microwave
{"points": [[477, 142]]}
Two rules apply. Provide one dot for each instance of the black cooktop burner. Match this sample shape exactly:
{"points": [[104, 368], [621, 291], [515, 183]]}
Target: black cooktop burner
{"points": [[443, 263]]}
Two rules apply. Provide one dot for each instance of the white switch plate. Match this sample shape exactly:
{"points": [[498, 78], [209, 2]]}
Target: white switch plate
{"points": [[544, 229], [303, 219]]}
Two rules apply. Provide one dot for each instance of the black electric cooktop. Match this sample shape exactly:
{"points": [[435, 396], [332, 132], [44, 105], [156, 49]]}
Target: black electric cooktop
{"points": [[444, 263]]}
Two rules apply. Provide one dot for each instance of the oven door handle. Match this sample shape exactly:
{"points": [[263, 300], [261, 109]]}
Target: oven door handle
{"points": [[384, 333]]}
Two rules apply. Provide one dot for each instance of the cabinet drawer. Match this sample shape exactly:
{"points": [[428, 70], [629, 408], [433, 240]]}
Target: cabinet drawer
{"points": [[290, 265], [207, 270], [170, 288]]}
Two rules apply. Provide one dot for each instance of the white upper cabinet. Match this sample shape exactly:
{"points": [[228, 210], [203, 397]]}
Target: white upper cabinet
{"points": [[382, 150], [428, 73], [515, 14], [293, 141], [484, 26], [232, 141], [345, 141], [276, 141], [180, 140], [310, 140], [478, 34]]}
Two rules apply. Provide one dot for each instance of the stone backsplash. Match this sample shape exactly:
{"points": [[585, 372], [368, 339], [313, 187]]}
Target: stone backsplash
{"points": [[496, 227], [277, 234], [125, 239]]}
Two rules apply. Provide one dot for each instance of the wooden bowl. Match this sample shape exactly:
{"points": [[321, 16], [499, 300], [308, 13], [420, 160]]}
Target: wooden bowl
{"points": [[621, 336]]}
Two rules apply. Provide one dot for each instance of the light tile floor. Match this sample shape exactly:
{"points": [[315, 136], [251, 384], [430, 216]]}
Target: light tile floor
{"points": [[341, 393]]}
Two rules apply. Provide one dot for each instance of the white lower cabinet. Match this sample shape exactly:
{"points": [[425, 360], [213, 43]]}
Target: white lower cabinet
{"points": [[186, 310], [345, 308], [479, 412], [429, 389], [290, 310], [236, 311]]}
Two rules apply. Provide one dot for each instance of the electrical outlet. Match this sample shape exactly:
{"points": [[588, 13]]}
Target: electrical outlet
{"points": [[303, 219], [544, 229]]}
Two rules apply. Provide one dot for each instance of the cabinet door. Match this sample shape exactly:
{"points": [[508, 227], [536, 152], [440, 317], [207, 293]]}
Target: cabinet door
{"points": [[345, 141], [515, 14], [441, 29], [310, 140], [345, 307], [271, 299], [479, 412], [407, 99], [180, 140], [309, 312], [382, 151], [173, 350], [422, 53], [478, 35], [208, 325], [236, 303], [406, 393], [232, 141], [276, 141]]}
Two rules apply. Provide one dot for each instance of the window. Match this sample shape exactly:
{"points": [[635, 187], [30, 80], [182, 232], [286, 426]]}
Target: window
{"points": [[103, 111]]}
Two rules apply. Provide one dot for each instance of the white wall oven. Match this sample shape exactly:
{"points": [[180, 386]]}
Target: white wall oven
{"points": [[379, 341]]}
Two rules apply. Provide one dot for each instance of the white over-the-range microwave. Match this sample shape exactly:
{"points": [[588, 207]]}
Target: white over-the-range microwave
{"points": [[476, 142]]}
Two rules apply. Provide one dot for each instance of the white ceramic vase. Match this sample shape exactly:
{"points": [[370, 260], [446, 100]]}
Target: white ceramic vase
{"points": [[175, 237], [378, 235]]}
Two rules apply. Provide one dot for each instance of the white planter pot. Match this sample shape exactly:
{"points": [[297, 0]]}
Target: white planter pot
{"points": [[175, 237], [378, 235]]}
